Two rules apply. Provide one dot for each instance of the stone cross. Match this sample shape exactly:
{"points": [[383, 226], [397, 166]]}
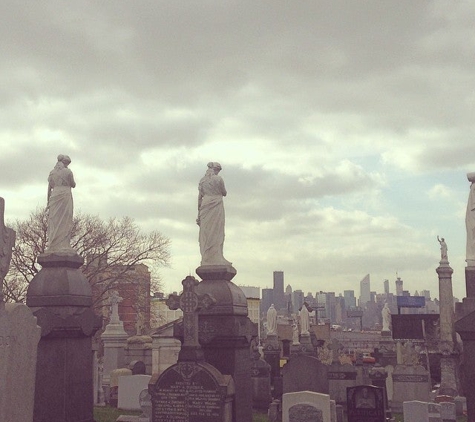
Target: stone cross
{"points": [[190, 303]]}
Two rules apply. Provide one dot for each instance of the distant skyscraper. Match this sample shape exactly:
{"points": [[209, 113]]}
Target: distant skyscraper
{"points": [[386, 287], [267, 299], [279, 297], [399, 288], [365, 291], [350, 299], [297, 300]]}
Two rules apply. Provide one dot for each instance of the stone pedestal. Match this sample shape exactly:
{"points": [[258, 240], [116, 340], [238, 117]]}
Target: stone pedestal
{"points": [[60, 298], [449, 359], [225, 333], [272, 354], [139, 348], [114, 339]]}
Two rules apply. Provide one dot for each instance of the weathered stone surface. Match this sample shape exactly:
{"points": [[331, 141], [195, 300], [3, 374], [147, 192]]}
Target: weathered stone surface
{"points": [[19, 337], [192, 392], [129, 391], [306, 406], [305, 373]]}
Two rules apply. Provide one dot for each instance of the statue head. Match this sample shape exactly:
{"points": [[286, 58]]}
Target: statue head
{"points": [[471, 177]]}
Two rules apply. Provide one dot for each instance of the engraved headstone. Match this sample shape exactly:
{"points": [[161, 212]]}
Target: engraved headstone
{"points": [[365, 403], [306, 406], [409, 383], [19, 337], [419, 411], [192, 392]]}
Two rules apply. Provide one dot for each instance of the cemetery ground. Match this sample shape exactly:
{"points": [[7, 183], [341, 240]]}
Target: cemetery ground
{"points": [[110, 414]]}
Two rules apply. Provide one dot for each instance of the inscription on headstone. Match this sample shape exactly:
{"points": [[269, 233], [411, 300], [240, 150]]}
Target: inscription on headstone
{"points": [[191, 392], [305, 413], [365, 403]]}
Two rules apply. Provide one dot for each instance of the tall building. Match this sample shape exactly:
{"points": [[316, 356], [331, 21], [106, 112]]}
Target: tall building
{"points": [[279, 296], [297, 300], [267, 299], [399, 288], [386, 287], [365, 291], [350, 299]]}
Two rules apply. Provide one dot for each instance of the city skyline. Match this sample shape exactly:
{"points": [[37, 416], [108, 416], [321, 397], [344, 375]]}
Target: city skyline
{"points": [[344, 129]]}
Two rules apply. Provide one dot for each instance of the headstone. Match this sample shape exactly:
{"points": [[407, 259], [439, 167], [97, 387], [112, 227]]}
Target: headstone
{"points": [[129, 391], [460, 405], [447, 412], [113, 398], [306, 406], [274, 412], [365, 403], [261, 385], [192, 392], [409, 383], [19, 337], [137, 367], [145, 401], [305, 373], [340, 377], [418, 411]]}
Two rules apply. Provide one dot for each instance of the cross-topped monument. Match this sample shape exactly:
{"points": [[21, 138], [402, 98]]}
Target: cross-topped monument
{"points": [[190, 303]]}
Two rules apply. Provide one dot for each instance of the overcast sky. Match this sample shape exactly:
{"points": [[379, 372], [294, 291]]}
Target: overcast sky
{"points": [[345, 129]]}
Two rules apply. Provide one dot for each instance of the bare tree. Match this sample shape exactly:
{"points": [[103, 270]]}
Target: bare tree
{"points": [[112, 249]]}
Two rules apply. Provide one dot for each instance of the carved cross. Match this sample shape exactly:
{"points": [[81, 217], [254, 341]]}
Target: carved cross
{"points": [[190, 303]]}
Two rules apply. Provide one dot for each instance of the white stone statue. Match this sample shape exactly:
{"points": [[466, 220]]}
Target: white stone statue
{"points": [[304, 321], [211, 216], [7, 242], [272, 320], [386, 314], [443, 249], [114, 300], [60, 206], [470, 222], [295, 334]]}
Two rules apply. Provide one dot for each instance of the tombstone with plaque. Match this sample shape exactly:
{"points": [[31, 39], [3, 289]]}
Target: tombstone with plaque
{"points": [[191, 390], [365, 403]]}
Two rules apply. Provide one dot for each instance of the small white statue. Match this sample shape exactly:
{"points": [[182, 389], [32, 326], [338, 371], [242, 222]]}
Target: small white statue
{"points": [[211, 216], [386, 314], [443, 249], [272, 320], [295, 334], [114, 300], [304, 320], [470, 222], [60, 206]]}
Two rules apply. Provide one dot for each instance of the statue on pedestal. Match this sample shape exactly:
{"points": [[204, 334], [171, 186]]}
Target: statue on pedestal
{"points": [[211, 216], [443, 249], [386, 314], [60, 207], [470, 222], [114, 300], [304, 321], [272, 320]]}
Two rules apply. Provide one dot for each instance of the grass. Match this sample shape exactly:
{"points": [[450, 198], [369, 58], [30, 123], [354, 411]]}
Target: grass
{"points": [[110, 414]]}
